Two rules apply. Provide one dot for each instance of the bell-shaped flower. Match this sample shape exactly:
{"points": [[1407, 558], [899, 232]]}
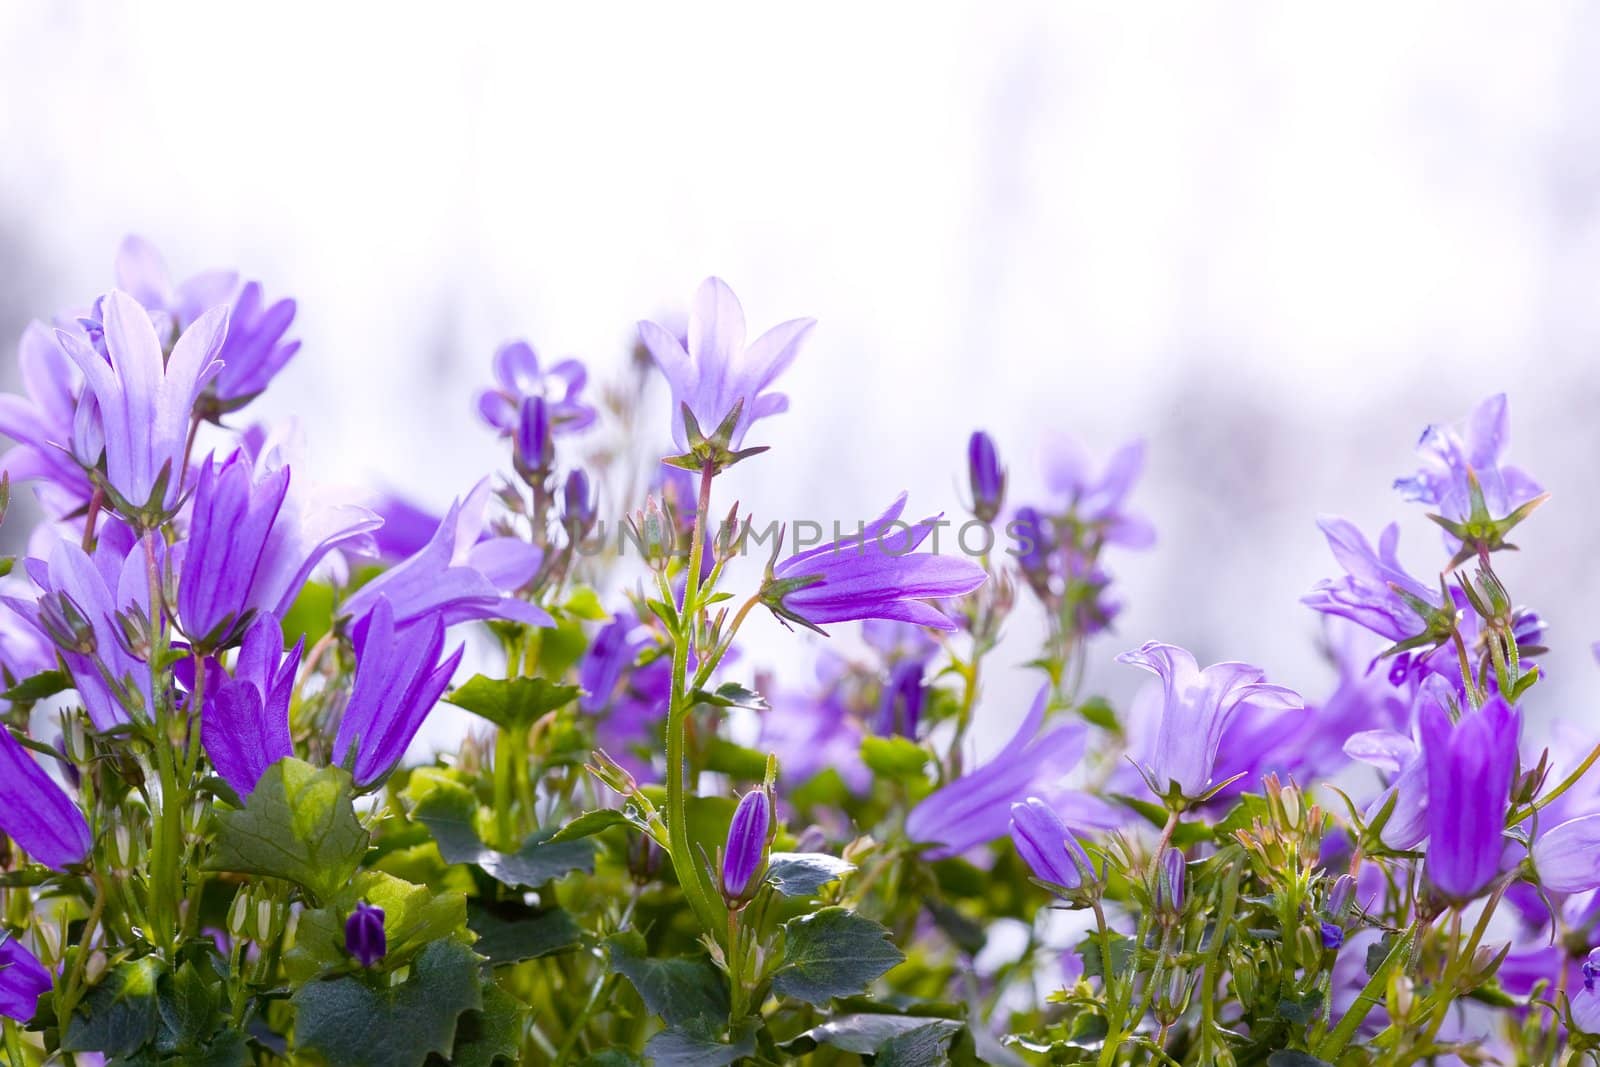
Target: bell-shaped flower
{"points": [[1477, 444], [1048, 846], [1471, 764], [1375, 592], [35, 812], [874, 574], [230, 523], [245, 722], [717, 373], [23, 980], [986, 476], [364, 935], [399, 678]]}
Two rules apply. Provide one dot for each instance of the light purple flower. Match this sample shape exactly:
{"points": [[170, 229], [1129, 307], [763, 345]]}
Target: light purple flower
{"points": [[749, 834], [137, 409], [1471, 764], [41, 421], [459, 575], [143, 274], [717, 370], [519, 379], [1197, 707], [1370, 593], [1399, 758], [812, 732], [987, 477], [1047, 845], [1478, 444], [1567, 856], [230, 523], [23, 980], [976, 808], [399, 678], [874, 574], [900, 706], [1100, 502], [628, 697], [245, 722], [407, 527], [36, 813], [1586, 998]]}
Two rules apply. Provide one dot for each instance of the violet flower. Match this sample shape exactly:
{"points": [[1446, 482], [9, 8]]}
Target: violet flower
{"points": [[871, 575], [231, 520], [900, 707], [976, 808], [41, 421], [628, 698], [534, 445], [142, 401], [519, 378], [987, 477], [1586, 999], [245, 722], [459, 575], [23, 980], [717, 372], [1172, 881], [1099, 502], [36, 813], [364, 936], [812, 732], [749, 836], [1471, 764], [1566, 857], [578, 507], [398, 680], [1197, 707], [1375, 592], [1476, 444], [1048, 846]]}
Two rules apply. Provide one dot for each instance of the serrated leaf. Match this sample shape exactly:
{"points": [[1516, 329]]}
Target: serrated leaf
{"points": [[925, 1046], [1089, 950], [349, 1022], [188, 1009], [119, 1015], [299, 825], [682, 989], [493, 1033], [799, 874], [700, 1046], [832, 953], [413, 916], [449, 810], [899, 758], [864, 1032], [512, 702], [512, 932]]}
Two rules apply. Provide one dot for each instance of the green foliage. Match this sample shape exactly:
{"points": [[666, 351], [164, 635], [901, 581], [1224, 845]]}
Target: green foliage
{"points": [[832, 953], [450, 812], [512, 703], [299, 825], [682, 991]]}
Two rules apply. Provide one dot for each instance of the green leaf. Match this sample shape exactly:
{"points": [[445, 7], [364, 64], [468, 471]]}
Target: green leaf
{"points": [[493, 1033], [700, 1046], [413, 916], [512, 702], [730, 695], [682, 990], [899, 758], [298, 825], [38, 687], [926, 1046], [584, 603], [1301, 1010], [590, 823], [449, 810], [350, 1022], [736, 761], [1291, 1058], [187, 1007], [612, 1058], [311, 614], [864, 1033], [832, 953], [119, 1016], [512, 932], [1093, 965], [800, 874]]}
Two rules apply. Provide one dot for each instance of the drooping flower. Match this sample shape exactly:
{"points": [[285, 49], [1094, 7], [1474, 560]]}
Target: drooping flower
{"points": [[41, 422], [1471, 764], [459, 575], [399, 678], [874, 574], [1100, 503], [23, 980], [987, 477], [1476, 444], [245, 722], [1375, 592], [519, 378], [364, 936], [232, 519], [1047, 845], [1197, 707], [1567, 856], [749, 836], [717, 371], [143, 402], [36, 813]]}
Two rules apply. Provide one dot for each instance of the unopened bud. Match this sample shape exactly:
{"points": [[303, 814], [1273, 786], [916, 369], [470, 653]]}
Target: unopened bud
{"points": [[95, 968], [1170, 879], [749, 837], [239, 915], [987, 477]]}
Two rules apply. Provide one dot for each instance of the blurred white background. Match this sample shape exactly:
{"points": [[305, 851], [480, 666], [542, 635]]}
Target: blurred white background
{"points": [[1276, 242]]}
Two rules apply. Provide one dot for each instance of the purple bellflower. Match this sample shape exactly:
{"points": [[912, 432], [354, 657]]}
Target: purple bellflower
{"points": [[1399, 757], [399, 678], [138, 407], [875, 574], [1375, 592], [1100, 502], [1567, 856], [1197, 707], [1471, 764], [976, 808], [534, 446], [1586, 998], [749, 837], [41, 422], [407, 527], [1172, 881], [1048, 846], [245, 722], [717, 372], [519, 378], [900, 707], [364, 936], [23, 980], [1477, 444], [628, 698], [459, 575], [36, 813], [231, 521], [988, 478], [579, 510]]}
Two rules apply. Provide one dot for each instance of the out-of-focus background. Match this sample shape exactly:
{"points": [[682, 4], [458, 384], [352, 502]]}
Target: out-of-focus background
{"points": [[1274, 241]]}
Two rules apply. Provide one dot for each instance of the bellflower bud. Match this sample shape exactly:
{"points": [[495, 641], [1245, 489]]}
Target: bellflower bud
{"points": [[1048, 846], [1170, 879], [535, 448], [749, 836], [363, 934], [988, 478], [1342, 893], [577, 504], [1332, 936]]}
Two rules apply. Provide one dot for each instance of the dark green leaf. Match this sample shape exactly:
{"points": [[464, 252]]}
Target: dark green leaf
{"points": [[119, 1015], [413, 916], [681, 990], [449, 810], [512, 702], [1301, 1010], [864, 1033], [491, 1034], [699, 1046], [730, 695], [832, 953], [350, 1022], [1121, 953], [799, 874], [187, 1007], [1291, 1058], [299, 825], [612, 1058], [37, 687], [926, 1046], [513, 932]]}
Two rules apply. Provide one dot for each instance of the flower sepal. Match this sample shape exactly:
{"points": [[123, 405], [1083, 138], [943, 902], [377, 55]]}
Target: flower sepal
{"points": [[1480, 533], [715, 452]]}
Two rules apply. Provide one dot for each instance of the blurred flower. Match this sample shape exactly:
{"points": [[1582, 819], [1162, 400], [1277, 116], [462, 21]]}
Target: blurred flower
{"points": [[899, 641], [36, 813], [1376, 592], [578, 506], [717, 372], [406, 528], [749, 835], [987, 477], [629, 699], [41, 422], [1099, 503], [1197, 707], [1470, 768], [1047, 845], [364, 937], [231, 519], [535, 448], [1332, 936], [900, 707], [812, 731], [23, 980], [1477, 444], [245, 721], [398, 680], [1586, 1000], [519, 379], [872, 575]]}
